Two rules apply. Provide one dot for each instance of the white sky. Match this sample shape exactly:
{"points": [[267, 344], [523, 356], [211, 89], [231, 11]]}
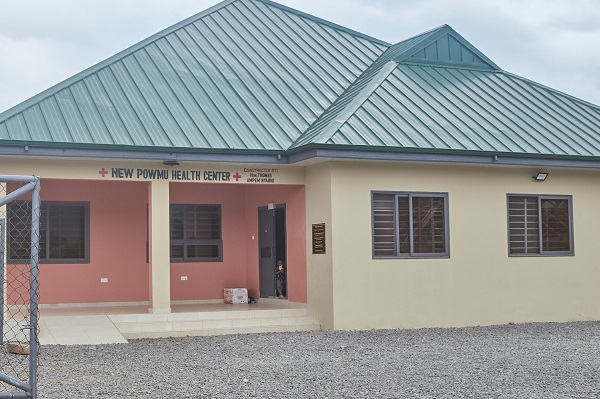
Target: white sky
{"points": [[553, 42]]}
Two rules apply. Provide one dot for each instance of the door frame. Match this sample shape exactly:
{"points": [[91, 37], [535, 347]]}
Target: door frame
{"points": [[275, 234]]}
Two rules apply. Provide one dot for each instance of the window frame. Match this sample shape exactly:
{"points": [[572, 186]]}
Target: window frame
{"points": [[540, 197], [411, 254], [46, 259], [185, 241]]}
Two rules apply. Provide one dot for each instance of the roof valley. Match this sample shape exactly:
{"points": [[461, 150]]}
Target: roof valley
{"points": [[347, 103]]}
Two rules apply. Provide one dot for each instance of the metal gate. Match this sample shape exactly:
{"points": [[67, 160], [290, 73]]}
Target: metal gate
{"points": [[19, 252]]}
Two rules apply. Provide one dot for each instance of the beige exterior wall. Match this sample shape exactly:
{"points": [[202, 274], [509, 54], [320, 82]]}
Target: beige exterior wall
{"points": [[319, 267], [479, 284]]}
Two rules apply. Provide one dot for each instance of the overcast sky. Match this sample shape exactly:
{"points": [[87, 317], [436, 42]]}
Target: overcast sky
{"points": [[553, 42]]}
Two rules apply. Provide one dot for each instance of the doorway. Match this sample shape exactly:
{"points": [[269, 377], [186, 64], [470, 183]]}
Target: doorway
{"points": [[272, 248]]}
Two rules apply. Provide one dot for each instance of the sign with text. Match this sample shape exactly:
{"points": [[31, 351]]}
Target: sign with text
{"points": [[243, 175], [139, 170], [318, 238]]}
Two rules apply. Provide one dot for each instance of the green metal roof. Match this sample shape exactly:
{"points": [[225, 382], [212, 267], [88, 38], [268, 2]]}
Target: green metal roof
{"points": [[452, 98], [446, 49], [444, 108], [245, 74], [254, 76]]}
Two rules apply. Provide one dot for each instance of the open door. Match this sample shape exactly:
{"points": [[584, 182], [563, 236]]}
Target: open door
{"points": [[272, 247]]}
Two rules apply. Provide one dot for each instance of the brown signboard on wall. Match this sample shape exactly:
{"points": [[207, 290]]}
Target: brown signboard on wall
{"points": [[318, 238]]}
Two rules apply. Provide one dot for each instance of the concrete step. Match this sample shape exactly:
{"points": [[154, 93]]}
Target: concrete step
{"points": [[236, 321]]}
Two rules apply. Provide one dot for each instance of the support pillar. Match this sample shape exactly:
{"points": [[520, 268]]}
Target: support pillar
{"points": [[159, 247]]}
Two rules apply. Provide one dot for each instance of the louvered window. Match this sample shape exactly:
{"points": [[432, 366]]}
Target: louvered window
{"points": [[410, 225], [64, 232], [539, 225], [196, 233]]}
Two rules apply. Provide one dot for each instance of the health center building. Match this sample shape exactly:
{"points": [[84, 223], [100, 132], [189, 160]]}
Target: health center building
{"points": [[403, 185]]}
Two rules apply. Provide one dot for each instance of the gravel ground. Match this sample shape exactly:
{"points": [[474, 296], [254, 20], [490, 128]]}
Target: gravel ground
{"points": [[545, 360]]}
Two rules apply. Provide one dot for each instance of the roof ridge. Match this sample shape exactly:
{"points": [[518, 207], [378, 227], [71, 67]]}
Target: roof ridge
{"points": [[325, 122], [155, 37], [324, 21], [434, 35], [427, 32]]}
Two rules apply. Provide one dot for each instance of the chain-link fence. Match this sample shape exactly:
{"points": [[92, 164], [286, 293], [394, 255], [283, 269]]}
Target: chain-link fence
{"points": [[20, 236]]}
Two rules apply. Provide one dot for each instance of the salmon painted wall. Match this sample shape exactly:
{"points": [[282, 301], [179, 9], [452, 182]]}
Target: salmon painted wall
{"points": [[17, 275], [117, 244], [239, 213], [17, 284], [206, 280]]}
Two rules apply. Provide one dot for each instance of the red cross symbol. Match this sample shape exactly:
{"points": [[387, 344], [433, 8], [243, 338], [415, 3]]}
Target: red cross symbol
{"points": [[237, 176], [103, 172]]}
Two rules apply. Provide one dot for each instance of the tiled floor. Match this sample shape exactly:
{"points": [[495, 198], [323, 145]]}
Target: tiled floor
{"points": [[92, 326]]}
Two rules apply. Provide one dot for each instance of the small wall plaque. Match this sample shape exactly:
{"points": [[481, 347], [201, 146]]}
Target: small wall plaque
{"points": [[318, 238]]}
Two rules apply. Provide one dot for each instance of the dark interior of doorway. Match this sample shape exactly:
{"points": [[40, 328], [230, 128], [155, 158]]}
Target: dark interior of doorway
{"points": [[280, 243], [272, 247]]}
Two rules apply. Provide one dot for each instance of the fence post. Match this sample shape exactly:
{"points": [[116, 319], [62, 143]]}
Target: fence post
{"points": [[34, 287], [15, 227]]}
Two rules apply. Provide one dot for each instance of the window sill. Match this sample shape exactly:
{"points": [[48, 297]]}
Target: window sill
{"points": [[546, 255], [413, 257]]}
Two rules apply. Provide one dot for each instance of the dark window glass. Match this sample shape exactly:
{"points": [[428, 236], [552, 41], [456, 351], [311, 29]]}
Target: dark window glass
{"points": [[66, 225], [176, 251], [176, 222], [555, 225], [196, 233], [539, 225], [63, 232], [202, 251], [428, 225], [404, 225], [383, 225], [409, 224], [19, 230]]}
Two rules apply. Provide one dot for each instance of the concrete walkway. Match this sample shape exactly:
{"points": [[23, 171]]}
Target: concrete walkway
{"points": [[79, 330]]}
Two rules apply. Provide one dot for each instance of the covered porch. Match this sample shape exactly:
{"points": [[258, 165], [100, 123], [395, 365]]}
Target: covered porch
{"points": [[164, 242], [124, 272]]}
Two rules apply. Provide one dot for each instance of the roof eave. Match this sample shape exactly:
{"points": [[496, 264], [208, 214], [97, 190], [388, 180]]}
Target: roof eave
{"points": [[380, 153], [298, 155], [125, 152]]}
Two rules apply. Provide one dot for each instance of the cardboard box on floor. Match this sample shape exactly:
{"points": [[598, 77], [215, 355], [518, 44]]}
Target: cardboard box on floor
{"points": [[235, 295]]}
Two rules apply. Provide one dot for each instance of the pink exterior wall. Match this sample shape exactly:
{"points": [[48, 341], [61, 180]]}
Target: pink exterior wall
{"points": [[239, 213], [117, 244], [206, 280], [17, 288], [17, 275], [118, 228]]}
